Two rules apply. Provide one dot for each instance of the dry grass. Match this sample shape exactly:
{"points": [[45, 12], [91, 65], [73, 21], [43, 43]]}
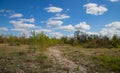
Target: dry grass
{"points": [[6, 50], [29, 59], [22, 59], [101, 60]]}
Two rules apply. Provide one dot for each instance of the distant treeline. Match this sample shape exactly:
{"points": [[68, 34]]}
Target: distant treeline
{"points": [[93, 41], [80, 39], [37, 40]]}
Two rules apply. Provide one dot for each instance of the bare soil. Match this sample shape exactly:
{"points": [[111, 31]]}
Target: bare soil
{"points": [[57, 57]]}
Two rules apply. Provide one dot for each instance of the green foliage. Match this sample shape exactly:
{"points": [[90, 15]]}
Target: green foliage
{"points": [[94, 41], [111, 63], [42, 41], [39, 40], [13, 41], [64, 40], [115, 41], [1, 39]]}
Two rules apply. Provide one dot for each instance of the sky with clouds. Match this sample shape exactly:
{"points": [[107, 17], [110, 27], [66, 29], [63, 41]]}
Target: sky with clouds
{"points": [[59, 18]]}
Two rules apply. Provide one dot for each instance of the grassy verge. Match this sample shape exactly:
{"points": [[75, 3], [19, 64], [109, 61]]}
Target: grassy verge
{"points": [[23, 59], [95, 60], [111, 63]]}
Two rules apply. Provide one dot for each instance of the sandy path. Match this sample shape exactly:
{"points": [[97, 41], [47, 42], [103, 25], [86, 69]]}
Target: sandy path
{"points": [[56, 55]]}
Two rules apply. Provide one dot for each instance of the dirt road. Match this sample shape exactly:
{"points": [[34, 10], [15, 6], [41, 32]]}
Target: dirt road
{"points": [[66, 64]]}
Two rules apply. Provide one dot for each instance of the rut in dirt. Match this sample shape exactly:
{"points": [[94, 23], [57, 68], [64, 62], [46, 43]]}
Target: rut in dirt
{"points": [[56, 55]]}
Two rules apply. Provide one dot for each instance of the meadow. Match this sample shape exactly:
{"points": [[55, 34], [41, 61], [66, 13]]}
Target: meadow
{"points": [[41, 54]]}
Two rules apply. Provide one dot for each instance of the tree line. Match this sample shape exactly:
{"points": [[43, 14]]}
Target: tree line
{"points": [[80, 39], [93, 41]]}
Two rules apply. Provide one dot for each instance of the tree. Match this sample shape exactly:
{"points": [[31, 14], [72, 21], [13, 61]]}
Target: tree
{"points": [[40, 40], [115, 41]]}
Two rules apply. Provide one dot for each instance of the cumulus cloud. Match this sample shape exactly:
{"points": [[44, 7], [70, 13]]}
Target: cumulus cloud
{"points": [[115, 25], [53, 9], [23, 24], [95, 9], [56, 34], [31, 20], [43, 30], [109, 32], [52, 22], [56, 20], [82, 26], [19, 24], [3, 29], [16, 15], [111, 29], [92, 33], [17, 29], [66, 28], [60, 16], [114, 0]]}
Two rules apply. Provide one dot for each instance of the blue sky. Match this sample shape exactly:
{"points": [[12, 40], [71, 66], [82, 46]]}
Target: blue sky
{"points": [[59, 17]]}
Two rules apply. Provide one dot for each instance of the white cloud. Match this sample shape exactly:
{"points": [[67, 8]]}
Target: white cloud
{"points": [[92, 33], [115, 25], [114, 0], [31, 20], [82, 26], [43, 30], [21, 25], [16, 15], [111, 29], [66, 28], [93, 8], [51, 22], [56, 20], [109, 32], [56, 34], [20, 30], [60, 16], [53, 9], [3, 29]]}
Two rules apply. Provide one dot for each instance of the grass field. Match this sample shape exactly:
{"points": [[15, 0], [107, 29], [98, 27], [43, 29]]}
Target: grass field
{"points": [[22, 59], [95, 60], [28, 59]]}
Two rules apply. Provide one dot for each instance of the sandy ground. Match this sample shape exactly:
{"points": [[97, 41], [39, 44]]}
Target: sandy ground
{"points": [[56, 55]]}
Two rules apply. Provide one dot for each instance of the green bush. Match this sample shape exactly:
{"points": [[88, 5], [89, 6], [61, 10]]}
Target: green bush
{"points": [[42, 41], [111, 63]]}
